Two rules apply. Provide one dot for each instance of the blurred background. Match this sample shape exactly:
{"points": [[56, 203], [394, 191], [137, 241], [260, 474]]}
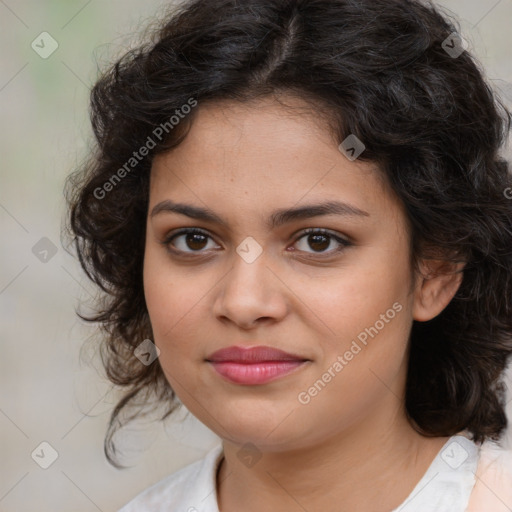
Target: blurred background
{"points": [[54, 405]]}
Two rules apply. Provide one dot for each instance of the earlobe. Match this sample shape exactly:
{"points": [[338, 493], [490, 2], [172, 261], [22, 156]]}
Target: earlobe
{"points": [[435, 288]]}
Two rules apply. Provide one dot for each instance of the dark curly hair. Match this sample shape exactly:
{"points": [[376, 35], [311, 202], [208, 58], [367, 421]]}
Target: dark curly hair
{"points": [[387, 71]]}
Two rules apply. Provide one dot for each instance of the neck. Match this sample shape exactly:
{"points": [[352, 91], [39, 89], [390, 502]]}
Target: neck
{"points": [[372, 466]]}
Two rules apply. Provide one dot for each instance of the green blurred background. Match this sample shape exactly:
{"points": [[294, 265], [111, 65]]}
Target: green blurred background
{"points": [[48, 395]]}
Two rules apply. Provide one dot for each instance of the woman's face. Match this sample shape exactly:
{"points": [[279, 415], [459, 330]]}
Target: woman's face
{"points": [[342, 309]]}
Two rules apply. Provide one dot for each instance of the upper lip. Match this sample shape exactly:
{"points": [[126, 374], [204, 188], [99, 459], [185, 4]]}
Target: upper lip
{"points": [[260, 353]]}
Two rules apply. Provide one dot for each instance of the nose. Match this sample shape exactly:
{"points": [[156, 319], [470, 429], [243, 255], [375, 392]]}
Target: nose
{"points": [[250, 294]]}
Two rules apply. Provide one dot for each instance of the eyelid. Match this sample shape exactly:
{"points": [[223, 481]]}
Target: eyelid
{"points": [[323, 231]]}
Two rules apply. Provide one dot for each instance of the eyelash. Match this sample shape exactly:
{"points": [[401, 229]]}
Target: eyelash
{"points": [[316, 231]]}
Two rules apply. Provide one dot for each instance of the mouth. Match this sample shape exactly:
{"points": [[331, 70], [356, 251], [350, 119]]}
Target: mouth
{"points": [[255, 365]]}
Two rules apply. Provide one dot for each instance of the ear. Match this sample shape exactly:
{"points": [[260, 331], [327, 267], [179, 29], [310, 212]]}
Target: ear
{"points": [[437, 283]]}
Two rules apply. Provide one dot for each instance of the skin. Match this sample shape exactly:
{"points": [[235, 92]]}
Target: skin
{"points": [[351, 444]]}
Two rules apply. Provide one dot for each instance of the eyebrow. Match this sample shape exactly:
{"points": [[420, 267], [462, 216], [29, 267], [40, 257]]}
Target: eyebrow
{"points": [[276, 219]]}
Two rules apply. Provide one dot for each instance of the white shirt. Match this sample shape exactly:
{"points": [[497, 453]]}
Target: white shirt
{"points": [[445, 487]]}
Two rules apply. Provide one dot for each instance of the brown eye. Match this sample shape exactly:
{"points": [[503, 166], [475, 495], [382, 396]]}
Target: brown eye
{"points": [[188, 240], [319, 240], [195, 241]]}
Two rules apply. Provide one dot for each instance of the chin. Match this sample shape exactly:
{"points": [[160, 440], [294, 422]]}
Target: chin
{"points": [[270, 436]]}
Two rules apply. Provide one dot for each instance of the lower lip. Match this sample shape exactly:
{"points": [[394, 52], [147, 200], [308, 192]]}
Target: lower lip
{"points": [[255, 373]]}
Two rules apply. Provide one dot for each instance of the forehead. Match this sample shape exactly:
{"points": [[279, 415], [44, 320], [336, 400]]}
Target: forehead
{"points": [[264, 152]]}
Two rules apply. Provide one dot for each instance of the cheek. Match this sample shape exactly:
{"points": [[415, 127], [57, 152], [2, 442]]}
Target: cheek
{"points": [[162, 293], [175, 298], [170, 305], [372, 348], [165, 287], [364, 315], [346, 302]]}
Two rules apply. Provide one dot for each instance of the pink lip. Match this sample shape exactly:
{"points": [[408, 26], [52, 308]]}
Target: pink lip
{"points": [[255, 365]]}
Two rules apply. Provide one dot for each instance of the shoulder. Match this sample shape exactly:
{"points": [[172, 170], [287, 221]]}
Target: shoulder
{"points": [[191, 489], [493, 486]]}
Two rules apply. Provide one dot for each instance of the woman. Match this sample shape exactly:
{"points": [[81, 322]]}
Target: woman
{"points": [[298, 211]]}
